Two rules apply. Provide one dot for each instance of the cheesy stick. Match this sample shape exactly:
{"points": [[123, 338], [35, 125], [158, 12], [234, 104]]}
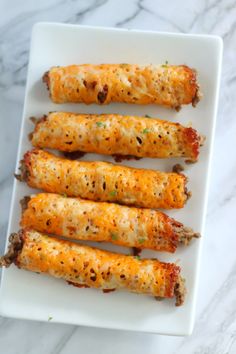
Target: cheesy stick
{"points": [[102, 181], [104, 222], [85, 266], [167, 85], [113, 134]]}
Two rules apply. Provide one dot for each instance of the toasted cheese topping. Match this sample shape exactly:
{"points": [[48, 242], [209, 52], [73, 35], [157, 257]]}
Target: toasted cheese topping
{"points": [[101, 181], [114, 134], [107, 222], [85, 266], [166, 85]]}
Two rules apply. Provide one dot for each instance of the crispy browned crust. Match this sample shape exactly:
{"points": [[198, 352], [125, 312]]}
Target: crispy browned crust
{"points": [[180, 291], [73, 155], [195, 86], [36, 122], [120, 158], [188, 194], [105, 291], [24, 203], [177, 168], [16, 241], [25, 166], [197, 97], [78, 285], [197, 140], [192, 137], [46, 79], [24, 171]]}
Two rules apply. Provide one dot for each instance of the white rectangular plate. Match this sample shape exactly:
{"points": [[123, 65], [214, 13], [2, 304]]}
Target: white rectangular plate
{"points": [[38, 297]]}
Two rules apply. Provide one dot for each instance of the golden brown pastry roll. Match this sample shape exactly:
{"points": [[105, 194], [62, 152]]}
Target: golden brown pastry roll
{"points": [[166, 85], [113, 134], [103, 181], [85, 266], [104, 222]]}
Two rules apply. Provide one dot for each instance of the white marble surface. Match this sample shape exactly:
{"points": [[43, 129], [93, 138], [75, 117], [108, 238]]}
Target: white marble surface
{"points": [[215, 329]]}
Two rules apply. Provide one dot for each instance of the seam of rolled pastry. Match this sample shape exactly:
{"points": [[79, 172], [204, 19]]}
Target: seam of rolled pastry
{"points": [[79, 219], [113, 134], [102, 181], [90, 267], [167, 85]]}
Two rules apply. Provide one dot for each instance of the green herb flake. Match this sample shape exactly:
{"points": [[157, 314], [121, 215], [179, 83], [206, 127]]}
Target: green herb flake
{"points": [[64, 195], [113, 193], [147, 116], [165, 65], [114, 236], [145, 131], [49, 318], [101, 124], [138, 258], [141, 240]]}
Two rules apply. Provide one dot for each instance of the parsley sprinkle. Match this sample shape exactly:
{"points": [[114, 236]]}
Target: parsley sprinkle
{"points": [[49, 318], [137, 257], [145, 131], [113, 193], [147, 116], [64, 195], [165, 65], [101, 124], [114, 237], [141, 240]]}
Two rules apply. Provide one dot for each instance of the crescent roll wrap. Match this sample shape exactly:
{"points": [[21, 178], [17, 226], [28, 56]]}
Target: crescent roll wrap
{"points": [[113, 134], [84, 266], [167, 85], [107, 222], [102, 181]]}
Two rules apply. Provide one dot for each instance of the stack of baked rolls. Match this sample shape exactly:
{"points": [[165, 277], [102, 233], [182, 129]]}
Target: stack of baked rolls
{"points": [[101, 201]]}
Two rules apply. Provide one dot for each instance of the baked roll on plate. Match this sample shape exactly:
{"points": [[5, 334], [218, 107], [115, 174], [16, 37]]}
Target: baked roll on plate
{"points": [[85, 266], [113, 134], [103, 181], [167, 85], [79, 219]]}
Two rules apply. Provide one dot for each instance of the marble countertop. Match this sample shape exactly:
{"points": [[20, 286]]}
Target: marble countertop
{"points": [[215, 328]]}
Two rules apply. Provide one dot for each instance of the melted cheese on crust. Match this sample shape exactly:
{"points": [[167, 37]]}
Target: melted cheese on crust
{"points": [[86, 220], [116, 134], [166, 85], [101, 181], [95, 268]]}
